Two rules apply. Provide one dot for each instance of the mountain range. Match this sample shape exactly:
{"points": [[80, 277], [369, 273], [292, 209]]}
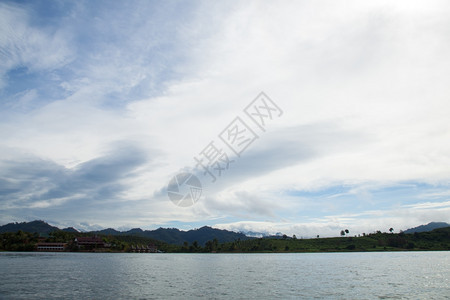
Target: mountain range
{"points": [[168, 235], [427, 227], [174, 235]]}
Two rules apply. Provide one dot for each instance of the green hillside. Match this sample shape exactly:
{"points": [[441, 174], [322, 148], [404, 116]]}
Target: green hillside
{"points": [[438, 239]]}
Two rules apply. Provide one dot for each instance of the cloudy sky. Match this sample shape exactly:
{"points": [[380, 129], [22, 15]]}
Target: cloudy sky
{"points": [[103, 102]]}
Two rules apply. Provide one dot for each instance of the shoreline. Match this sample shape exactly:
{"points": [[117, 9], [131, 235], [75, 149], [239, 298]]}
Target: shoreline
{"points": [[225, 252]]}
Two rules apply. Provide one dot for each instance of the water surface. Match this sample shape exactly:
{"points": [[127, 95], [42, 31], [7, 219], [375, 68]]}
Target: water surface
{"points": [[381, 275]]}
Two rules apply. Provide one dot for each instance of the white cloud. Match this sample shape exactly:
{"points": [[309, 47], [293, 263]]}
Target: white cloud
{"points": [[401, 218], [22, 45], [363, 88]]}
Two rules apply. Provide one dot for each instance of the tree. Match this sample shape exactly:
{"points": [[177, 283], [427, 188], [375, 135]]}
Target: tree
{"points": [[346, 231], [208, 246], [233, 246], [185, 246], [342, 233], [397, 241], [211, 246], [391, 230], [294, 237], [317, 236]]}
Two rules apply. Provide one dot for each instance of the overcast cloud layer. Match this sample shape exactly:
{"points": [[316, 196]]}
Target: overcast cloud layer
{"points": [[102, 103]]}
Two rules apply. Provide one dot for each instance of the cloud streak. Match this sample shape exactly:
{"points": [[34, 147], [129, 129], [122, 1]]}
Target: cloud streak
{"points": [[102, 103]]}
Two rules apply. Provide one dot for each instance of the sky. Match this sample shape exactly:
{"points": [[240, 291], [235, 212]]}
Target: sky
{"points": [[103, 103]]}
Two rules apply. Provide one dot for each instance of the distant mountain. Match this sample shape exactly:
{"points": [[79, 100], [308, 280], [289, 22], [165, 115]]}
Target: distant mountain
{"points": [[168, 235], [109, 231], [176, 236], [34, 226], [135, 231], [70, 229], [429, 227], [204, 234]]}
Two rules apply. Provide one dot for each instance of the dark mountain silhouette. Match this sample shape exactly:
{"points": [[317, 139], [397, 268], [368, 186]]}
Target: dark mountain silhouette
{"points": [[168, 235], [429, 227], [204, 234], [70, 229], [176, 236], [109, 231], [134, 231], [34, 226]]}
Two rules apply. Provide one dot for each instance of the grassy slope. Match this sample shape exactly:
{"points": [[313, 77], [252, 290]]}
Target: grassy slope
{"points": [[438, 239]]}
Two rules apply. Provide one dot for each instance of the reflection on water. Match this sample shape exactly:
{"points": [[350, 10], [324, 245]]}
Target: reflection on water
{"points": [[415, 275]]}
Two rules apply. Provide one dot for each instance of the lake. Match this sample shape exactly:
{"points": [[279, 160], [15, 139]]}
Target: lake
{"points": [[379, 275]]}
